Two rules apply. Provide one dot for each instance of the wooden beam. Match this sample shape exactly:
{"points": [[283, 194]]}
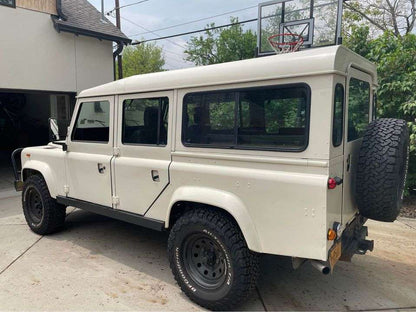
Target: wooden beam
{"points": [[45, 6]]}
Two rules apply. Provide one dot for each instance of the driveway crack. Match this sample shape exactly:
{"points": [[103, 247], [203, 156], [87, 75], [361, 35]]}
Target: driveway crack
{"points": [[20, 256]]}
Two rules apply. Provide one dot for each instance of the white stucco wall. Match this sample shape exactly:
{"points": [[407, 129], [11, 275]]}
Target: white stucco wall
{"points": [[34, 56]]}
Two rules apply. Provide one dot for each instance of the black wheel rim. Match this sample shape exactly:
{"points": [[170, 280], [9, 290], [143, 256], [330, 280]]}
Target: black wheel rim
{"points": [[204, 261], [34, 205]]}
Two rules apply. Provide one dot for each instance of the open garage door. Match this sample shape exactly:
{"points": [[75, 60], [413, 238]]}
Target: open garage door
{"points": [[24, 122]]}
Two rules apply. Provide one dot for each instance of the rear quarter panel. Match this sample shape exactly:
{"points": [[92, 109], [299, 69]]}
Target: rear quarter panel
{"points": [[283, 193]]}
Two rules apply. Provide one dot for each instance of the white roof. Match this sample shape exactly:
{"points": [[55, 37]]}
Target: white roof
{"points": [[334, 59]]}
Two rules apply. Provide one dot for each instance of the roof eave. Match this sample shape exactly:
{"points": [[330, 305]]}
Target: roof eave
{"points": [[85, 32]]}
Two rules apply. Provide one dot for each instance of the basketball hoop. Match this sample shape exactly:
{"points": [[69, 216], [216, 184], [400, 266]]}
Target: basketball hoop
{"points": [[286, 43]]}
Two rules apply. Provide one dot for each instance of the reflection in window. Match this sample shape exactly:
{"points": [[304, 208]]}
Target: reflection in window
{"points": [[209, 118], [261, 118], [338, 122], [145, 121], [10, 3], [358, 108], [92, 124]]}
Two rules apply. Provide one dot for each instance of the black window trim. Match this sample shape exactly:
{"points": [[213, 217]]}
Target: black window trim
{"points": [[343, 115], [348, 105], [75, 126], [258, 148], [13, 5], [159, 114]]}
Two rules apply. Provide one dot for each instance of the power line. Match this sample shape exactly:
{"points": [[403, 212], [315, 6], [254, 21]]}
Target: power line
{"points": [[194, 31], [125, 6], [195, 21], [171, 52], [156, 34]]}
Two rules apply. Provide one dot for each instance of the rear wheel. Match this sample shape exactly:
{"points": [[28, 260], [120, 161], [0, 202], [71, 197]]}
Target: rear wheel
{"points": [[210, 259], [42, 213]]}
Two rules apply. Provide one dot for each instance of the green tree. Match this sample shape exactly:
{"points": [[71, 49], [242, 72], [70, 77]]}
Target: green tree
{"points": [[142, 59], [222, 45], [395, 16], [395, 57]]}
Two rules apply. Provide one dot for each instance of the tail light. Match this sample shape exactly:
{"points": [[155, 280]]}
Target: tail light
{"points": [[333, 182]]}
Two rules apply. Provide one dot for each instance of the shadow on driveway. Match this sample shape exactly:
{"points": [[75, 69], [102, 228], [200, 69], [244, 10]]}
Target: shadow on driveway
{"points": [[374, 281]]}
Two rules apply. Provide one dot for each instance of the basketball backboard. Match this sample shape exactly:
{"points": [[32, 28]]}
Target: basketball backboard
{"points": [[317, 21]]}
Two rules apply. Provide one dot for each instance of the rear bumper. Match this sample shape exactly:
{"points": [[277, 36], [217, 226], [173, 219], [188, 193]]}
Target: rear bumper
{"points": [[353, 240]]}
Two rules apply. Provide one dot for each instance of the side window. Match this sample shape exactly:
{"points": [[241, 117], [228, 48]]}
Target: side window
{"points": [[338, 118], [93, 122], [273, 118], [145, 121], [261, 118], [209, 119], [358, 108]]}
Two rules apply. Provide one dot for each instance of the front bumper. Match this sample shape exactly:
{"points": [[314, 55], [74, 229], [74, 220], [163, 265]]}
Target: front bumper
{"points": [[17, 168]]}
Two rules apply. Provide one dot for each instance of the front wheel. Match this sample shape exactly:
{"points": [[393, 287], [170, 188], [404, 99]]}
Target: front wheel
{"points": [[42, 213], [210, 259]]}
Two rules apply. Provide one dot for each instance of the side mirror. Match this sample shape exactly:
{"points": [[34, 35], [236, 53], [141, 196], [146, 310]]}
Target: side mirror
{"points": [[54, 129], [54, 134]]}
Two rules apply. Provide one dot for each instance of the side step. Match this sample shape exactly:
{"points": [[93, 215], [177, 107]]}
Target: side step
{"points": [[112, 213]]}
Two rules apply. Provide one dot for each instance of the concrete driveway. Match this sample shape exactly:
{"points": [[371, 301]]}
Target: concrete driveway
{"points": [[102, 264]]}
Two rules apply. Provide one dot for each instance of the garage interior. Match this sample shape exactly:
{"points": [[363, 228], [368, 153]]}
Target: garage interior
{"points": [[24, 121]]}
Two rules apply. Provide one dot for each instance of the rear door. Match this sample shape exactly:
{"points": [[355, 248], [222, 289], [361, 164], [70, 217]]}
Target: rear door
{"points": [[358, 115], [143, 144]]}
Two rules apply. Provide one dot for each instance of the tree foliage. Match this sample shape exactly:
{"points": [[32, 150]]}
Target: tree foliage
{"points": [[222, 45], [396, 61], [142, 59], [395, 16]]}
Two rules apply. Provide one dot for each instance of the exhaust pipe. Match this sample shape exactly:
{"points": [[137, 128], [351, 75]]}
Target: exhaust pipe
{"points": [[321, 267]]}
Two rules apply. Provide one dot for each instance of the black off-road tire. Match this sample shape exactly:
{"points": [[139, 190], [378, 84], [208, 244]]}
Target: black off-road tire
{"points": [[43, 214], [382, 169], [223, 235]]}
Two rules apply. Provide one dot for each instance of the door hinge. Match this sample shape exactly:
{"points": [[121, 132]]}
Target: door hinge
{"points": [[116, 151], [116, 200], [66, 189]]}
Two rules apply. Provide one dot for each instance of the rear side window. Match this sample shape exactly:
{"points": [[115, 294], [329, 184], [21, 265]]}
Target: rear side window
{"points": [[358, 108], [338, 122], [261, 118], [209, 119], [145, 121], [93, 122]]}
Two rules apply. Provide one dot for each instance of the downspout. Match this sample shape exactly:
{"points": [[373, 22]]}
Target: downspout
{"points": [[61, 14], [120, 47]]}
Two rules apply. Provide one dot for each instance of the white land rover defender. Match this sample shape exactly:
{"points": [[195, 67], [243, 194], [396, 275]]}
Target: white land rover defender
{"points": [[279, 155], [234, 160]]}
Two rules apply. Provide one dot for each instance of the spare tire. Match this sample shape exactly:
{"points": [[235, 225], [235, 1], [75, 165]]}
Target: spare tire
{"points": [[382, 169]]}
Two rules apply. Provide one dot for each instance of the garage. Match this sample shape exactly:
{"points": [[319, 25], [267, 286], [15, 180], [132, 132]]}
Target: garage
{"points": [[24, 121], [50, 51]]}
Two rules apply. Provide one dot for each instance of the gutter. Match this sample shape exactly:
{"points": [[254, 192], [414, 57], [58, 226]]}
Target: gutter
{"points": [[89, 33], [120, 47], [61, 14]]}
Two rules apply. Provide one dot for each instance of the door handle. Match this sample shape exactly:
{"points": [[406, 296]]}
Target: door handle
{"points": [[101, 168], [348, 162], [155, 176]]}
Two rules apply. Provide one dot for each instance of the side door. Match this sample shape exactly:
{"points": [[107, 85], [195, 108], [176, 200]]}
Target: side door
{"points": [[90, 150], [358, 116], [143, 144]]}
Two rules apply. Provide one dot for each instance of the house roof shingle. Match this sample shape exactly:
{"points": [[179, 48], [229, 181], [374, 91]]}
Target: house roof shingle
{"points": [[84, 19]]}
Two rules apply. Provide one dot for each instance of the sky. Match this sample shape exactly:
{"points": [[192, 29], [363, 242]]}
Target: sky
{"points": [[156, 14]]}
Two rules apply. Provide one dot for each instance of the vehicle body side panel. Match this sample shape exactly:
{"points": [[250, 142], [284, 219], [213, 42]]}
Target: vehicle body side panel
{"points": [[50, 162]]}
